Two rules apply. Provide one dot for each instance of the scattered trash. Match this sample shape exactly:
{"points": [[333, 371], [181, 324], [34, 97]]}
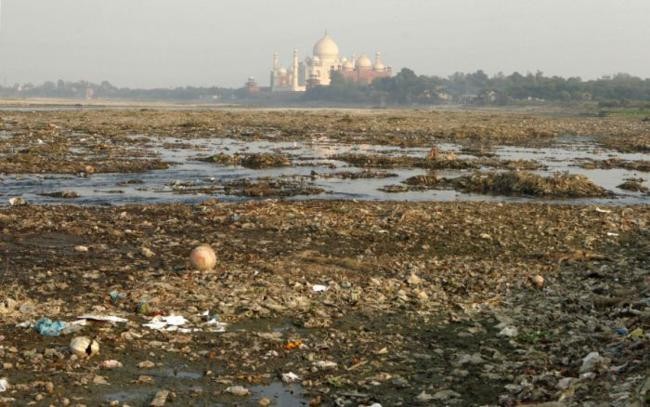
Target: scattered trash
{"points": [[146, 252], [160, 398], [621, 331], [81, 249], [292, 345], [443, 395], [413, 279], [239, 391], [166, 323], [4, 384], [17, 201], [116, 296], [318, 288], [325, 364], [290, 377], [103, 318], [636, 334], [538, 281], [203, 258], [592, 362], [424, 397], [47, 327], [509, 331], [147, 364], [111, 364], [83, 346], [216, 326]]}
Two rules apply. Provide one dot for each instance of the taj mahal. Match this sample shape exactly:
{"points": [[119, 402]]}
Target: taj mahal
{"points": [[317, 69]]}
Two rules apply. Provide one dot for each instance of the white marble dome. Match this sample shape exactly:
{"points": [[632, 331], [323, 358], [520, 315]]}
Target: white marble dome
{"points": [[326, 48]]}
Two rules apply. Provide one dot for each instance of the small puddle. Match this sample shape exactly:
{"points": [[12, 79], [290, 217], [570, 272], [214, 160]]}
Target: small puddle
{"points": [[289, 395]]}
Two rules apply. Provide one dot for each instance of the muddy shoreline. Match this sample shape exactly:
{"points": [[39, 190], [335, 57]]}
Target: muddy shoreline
{"points": [[416, 302], [405, 258]]}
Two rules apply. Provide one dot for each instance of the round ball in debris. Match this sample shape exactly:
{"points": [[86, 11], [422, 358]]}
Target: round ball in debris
{"points": [[538, 281], [84, 347], [203, 258]]}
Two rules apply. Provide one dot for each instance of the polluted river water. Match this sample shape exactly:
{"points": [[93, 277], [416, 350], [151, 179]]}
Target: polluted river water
{"points": [[189, 180]]}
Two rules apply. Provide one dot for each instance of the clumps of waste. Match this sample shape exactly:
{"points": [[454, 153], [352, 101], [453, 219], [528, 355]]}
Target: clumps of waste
{"points": [[364, 174], [394, 189], [631, 165], [61, 194], [437, 162], [558, 185], [270, 188], [254, 161], [427, 181], [633, 185]]}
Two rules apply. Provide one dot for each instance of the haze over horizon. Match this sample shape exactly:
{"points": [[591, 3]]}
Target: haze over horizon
{"points": [[165, 43]]}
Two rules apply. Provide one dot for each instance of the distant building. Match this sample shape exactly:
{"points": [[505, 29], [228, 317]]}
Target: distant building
{"points": [[317, 70], [251, 86]]}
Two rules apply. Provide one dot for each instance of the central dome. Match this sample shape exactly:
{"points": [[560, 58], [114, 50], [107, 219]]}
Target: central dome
{"points": [[326, 47]]}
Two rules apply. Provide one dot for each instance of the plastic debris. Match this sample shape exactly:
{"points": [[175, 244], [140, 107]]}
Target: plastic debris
{"points": [[509, 331], [103, 318], [4, 384], [160, 398], [621, 331], [290, 377], [636, 334], [166, 323], [240, 391], [291, 345], [591, 362], [325, 364], [17, 201], [111, 364], [47, 327], [116, 296], [319, 288]]}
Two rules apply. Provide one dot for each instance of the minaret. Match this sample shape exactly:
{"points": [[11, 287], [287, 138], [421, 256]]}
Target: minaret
{"points": [[378, 60], [294, 71], [276, 64]]}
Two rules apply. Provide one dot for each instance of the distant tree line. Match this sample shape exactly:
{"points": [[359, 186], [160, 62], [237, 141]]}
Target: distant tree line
{"points": [[105, 90], [407, 88], [404, 89]]}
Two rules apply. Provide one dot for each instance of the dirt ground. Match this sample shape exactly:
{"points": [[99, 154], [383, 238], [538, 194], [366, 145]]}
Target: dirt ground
{"points": [[421, 303], [68, 141]]}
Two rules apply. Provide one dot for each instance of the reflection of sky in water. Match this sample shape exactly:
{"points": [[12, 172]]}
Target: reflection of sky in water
{"points": [[155, 186]]}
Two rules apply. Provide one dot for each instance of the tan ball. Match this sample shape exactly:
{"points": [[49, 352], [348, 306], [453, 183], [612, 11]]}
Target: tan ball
{"points": [[203, 258]]}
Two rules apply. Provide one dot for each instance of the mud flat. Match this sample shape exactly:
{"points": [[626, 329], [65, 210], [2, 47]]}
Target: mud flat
{"points": [[406, 258], [409, 303]]}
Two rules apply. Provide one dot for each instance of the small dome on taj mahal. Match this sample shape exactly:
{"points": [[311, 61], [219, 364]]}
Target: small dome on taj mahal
{"points": [[364, 62]]}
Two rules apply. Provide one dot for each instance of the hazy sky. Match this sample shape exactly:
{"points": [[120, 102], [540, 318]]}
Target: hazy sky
{"points": [[152, 43]]}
